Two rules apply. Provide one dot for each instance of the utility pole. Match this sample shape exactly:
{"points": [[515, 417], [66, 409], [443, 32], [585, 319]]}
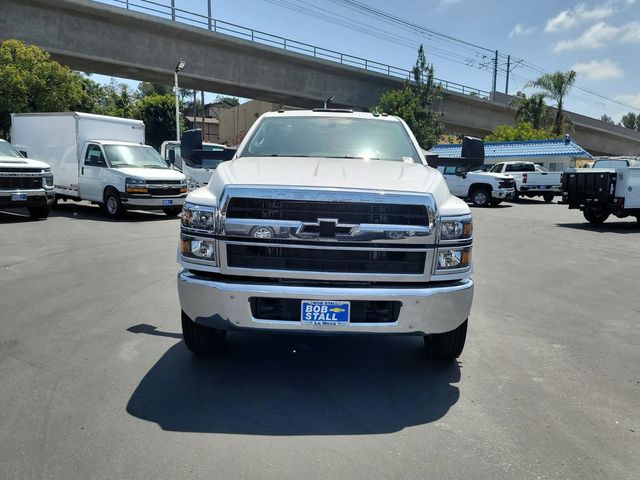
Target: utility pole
{"points": [[173, 10], [495, 72], [179, 68], [506, 86], [204, 114], [209, 14]]}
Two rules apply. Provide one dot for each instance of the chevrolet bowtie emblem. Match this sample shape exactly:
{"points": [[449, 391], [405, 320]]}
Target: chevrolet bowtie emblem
{"points": [[324, 228]]}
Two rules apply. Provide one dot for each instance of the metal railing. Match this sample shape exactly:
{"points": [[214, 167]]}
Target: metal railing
{"points": [[171, 12]]}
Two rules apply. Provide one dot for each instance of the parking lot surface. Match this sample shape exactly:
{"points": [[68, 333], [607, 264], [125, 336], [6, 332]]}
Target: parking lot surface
{"points": [[96, 383]]}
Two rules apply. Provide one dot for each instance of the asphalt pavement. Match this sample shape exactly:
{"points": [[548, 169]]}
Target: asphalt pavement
{"points": [[96, 383]]}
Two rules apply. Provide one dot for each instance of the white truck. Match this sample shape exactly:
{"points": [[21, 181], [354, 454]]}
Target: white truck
{"points": [[197, 170], [329, 222], [480, 188], [531, 180], [24, 183], [610, 187], [100, 159]]}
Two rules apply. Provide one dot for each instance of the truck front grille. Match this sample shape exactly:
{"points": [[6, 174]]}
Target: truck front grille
{"points": [[344, 212], [325, 260], [164, 191], [20, 183], [507, 183], [361, 311]]}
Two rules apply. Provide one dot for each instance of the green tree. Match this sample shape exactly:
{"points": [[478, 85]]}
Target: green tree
{"points": [[533, 110], [230, 101], [158, 114], [630, 120], [556, 86], [606, 118], [146, 89], [521, 132], [117, 100], [31, 82], [414, 103]]}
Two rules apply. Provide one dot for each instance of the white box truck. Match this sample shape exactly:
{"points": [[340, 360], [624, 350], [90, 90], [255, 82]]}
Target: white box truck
{"points": [[100, 159]]}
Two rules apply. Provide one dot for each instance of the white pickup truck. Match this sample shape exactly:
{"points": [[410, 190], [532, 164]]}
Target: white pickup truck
{"points": [[24, 182], [326, 222], [531, 180], [610, 187], [480, 188]]}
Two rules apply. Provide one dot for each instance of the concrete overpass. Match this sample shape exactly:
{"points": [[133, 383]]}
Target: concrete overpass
{"points": [[94, 37]]}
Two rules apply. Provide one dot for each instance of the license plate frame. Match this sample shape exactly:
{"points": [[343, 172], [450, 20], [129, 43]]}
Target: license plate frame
{"points": [[325, 312], [19, 197], [167, 202]]}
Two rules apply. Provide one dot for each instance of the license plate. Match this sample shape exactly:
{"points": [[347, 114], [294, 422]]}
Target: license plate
{"points": [[167, 202], [18, 197], [324, 312]]}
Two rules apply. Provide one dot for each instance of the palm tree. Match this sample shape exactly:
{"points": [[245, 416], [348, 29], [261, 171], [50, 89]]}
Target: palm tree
{"points": [[556, 86], [533, 110]]}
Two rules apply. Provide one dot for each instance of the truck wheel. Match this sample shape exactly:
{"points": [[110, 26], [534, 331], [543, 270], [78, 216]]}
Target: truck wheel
{"points": [[516, 196], [112, 204], [447, 346], [172, 212], [201, 339], [548, 197], [595, 218], [481, 197], [38, 212]]}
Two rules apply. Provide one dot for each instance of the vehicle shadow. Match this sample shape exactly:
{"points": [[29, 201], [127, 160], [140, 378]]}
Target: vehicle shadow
{"points": [[606, 227], [268, 384], [17, 216], [86, 211]]}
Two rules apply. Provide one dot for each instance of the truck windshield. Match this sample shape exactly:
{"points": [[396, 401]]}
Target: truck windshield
{"points": [[331, 137], [7, 150], [134, 156]]}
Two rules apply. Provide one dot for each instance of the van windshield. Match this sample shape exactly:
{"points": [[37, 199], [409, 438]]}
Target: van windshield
{"points": [[7, 150], [331, 137], [134, 156]]}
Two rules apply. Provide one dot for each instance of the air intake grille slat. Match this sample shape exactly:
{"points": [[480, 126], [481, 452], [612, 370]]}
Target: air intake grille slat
{"points": [[21, 182], [344, 212]]}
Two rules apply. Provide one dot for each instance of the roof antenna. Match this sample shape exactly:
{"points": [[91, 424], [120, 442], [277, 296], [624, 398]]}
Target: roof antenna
{"points": [[328, 101]]}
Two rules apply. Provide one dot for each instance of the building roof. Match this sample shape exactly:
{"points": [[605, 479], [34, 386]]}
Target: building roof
{"points": [[528, 149]]}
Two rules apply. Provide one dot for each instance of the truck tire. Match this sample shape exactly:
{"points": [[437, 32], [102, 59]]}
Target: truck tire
{"points": [[516, 196], [172, 212], [548, 197], [595, 218], [201, 339], [481, 197], [446, 346], [112, 204], [39, 212]]}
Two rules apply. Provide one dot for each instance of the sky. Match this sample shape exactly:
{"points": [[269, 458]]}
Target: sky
{"points": [[598, 39]]}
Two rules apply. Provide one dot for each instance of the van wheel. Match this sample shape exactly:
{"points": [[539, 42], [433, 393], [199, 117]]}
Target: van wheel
{"points": [[172, 212], [201, 339], [595, 218], [38, 212], [112, 204], [447, 346], [548, 197], [481, 197]]}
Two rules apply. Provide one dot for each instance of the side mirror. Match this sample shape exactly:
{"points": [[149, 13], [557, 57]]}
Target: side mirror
{"points": [[461, 172], [24, 154], [172, 157]]}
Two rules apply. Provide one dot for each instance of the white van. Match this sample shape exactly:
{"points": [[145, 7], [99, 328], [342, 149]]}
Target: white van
{"points": [[100, 159]]}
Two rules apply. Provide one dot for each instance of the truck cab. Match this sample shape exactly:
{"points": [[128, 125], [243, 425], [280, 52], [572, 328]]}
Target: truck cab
{"points": [[24, 183], [482, 189], [326, 222], [531, 180]]}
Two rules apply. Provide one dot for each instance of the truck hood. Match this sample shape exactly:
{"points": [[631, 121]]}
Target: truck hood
{"points": [[497, 176], [329, 173], [152, 173], [13, 162]]}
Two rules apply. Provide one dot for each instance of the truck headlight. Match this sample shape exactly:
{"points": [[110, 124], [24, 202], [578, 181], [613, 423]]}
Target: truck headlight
{"points": [[135, 185], [198, 248], [453, 259], [456, 228], [48, 178], [198, 218]]}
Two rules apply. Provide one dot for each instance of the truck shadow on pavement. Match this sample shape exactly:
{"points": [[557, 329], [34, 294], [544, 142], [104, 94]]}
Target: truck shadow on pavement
{"points": [[607, 227], [268, 384], [82, 211]]}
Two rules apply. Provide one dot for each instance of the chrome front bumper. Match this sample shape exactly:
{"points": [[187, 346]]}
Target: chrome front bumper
{"points": [[225, 306], [503, 193], [152, 202]]}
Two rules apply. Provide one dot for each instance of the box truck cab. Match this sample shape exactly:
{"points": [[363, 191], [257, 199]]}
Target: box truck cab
{"points": [[101, 159]]}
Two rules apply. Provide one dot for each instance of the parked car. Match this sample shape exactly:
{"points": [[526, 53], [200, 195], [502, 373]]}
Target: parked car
{"points": [[24, 182], [610, 187], [326, 221], [197, 169], [531, 180], [101, 159], [480, 188]]}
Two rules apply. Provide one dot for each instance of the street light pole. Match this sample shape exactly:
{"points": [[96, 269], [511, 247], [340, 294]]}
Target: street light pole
{"points": [[179, 68]]}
